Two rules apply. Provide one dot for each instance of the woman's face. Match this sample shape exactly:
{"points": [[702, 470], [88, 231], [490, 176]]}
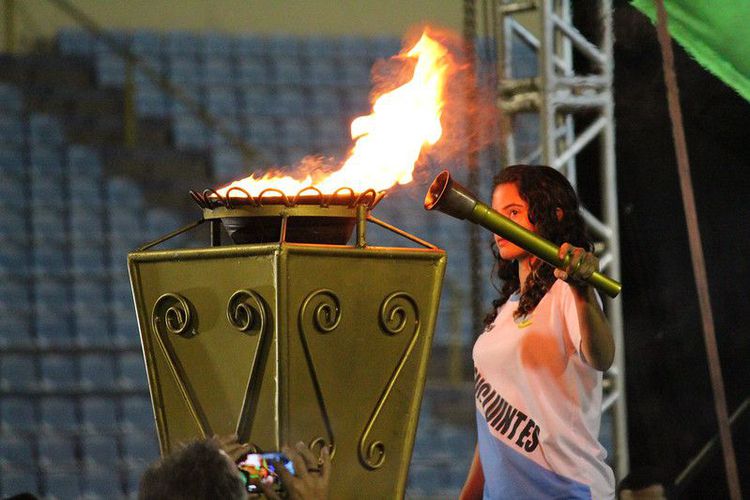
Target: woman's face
{"points": [[507, 200]]}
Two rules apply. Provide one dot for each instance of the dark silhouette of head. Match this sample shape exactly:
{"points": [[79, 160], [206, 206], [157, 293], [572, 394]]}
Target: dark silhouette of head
{"points": [[554, 211], [199, 471]]}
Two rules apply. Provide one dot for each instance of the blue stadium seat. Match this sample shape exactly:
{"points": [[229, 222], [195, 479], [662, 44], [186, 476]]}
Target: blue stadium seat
{"points": [[52, 295], [253, 70], [13, 227], [48, 193], [160, 221], [295, 132], [85, 193], [97, 371], [290, 102], [14, 296], [181, 43], [110, 69], [322, 72], [17, 415], [354, 72], [124, 193], [53, 328], [256, 100], [125, 329], [183, 69], [57, 450], [86, 224], [122, 295], [216, 44], [98, 415], [18, 372], [100, 450], [261, 131], [148, 70], [287, 70], [146, 43], [84, 162], [45, 130], [283, 46], [48, 227], [151, 102], [88, 260], [132, 371], [318, 47], [189, 133], [221, 101], [101, 482], [249, 46], [179, 106], [324, 101], [11, 99], [217, 70], [357, 101], [123, 222], [220, 139], [384, 46], [16, 451], [12, 165], [14, 481], [331, 133], [137, 415], [58, 371], [353, 47], [134, 473], [228, 164], [75, 42], [120, 40], [12, 131], [15, 329], [92, 330], [58, 414], [61, 484], [140, 447], [89, 294]]}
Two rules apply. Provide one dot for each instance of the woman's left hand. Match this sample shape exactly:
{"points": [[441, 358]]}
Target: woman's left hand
{"points": [[581, 265]]}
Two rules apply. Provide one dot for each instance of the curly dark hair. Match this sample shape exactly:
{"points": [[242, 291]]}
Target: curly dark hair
{"points": [[196, 472], [545, 190]]}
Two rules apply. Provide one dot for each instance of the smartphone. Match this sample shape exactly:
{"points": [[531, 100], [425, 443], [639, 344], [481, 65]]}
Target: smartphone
{"points": [[259, 468]]}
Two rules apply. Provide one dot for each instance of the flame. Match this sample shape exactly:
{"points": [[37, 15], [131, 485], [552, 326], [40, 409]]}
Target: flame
{"points": [[389, 140]]}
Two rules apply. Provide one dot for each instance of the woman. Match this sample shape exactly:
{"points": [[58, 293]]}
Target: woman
{"points": [[538, 364]]}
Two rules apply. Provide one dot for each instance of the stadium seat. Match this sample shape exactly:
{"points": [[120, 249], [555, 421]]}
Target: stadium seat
{"points": [[324, 102], [146, 43], [101, 481], [16, 451], [60, 484], [97, 372], [12, 131], [252, 70], [75, 42], [17, 415], [98, 415], [228, 164], [189, 133], [183, 69], [287, 70], [83, 162], [12, 167], [290, 102], [256, 100], [13, 229], [217, 70], [58, 414], [92, 330], [48, 227], [181, 43], [58, 371], [14, 481], [100, 450], [249, 46], [261, 131], [137, 415], [110, 69], [221, 102], [139, 447], [18, 372], [295, 132], [11, 99], [132, 371]]}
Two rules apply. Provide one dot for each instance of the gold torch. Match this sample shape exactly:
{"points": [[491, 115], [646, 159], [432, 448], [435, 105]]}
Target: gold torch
{"points": [[450, 197]]}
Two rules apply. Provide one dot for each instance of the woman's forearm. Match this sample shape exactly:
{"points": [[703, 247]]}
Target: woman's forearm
{"points": [[597, 343]]}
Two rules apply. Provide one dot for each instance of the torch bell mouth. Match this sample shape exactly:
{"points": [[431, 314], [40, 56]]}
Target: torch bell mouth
{"points": [[307, 217], [436, 190]]}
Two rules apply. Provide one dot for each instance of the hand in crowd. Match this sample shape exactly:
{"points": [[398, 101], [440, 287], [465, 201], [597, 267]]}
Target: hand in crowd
{"points": [[581, 265], [230, 444], [310, 478]]}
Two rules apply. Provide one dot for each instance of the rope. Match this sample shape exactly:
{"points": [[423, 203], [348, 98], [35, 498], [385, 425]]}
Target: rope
{"points": [[696, 252]]}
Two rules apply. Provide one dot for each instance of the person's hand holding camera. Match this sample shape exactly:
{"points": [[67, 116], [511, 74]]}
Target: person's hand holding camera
{"points": [[310, 480]]}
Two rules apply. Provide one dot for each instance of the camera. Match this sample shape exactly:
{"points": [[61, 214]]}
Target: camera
{"points": [[260, 468]]}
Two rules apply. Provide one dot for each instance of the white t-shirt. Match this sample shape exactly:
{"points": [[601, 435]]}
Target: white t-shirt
{"points": [[539, 405]]}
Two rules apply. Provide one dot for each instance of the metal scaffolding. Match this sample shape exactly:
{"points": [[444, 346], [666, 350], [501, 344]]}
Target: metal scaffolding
{"points": [[573, 104]]}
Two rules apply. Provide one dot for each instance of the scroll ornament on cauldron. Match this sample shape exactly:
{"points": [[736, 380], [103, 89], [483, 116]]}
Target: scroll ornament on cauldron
{"points": [[173, 314], [398, 316]]}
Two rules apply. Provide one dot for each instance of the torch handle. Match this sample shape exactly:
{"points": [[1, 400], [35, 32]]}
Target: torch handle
{"points": [[535, 244]]}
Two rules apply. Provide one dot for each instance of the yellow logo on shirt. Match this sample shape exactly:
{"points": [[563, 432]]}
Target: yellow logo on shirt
{"points": [[523, 321]]}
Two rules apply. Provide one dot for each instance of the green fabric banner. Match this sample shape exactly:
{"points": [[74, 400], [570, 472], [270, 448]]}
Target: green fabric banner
{"points": [[714, 32]]}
